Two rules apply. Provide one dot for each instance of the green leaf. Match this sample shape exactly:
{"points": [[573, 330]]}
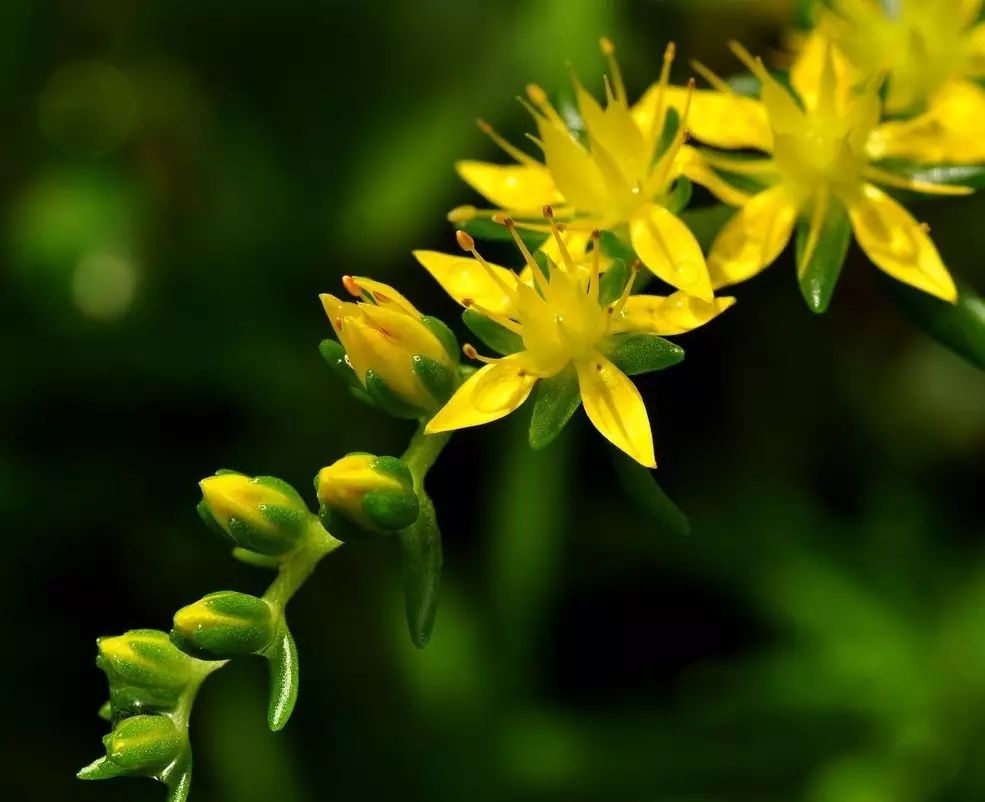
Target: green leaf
{"points": [[438, 380], [100, 769], [420, 549], [502, 341], [555, 401], [282, 659], [180, 785], [444, 334], [706, 222], [483, 229], [640, 352], [613, 281], [648, 497], [959, 326], [818, 277]]}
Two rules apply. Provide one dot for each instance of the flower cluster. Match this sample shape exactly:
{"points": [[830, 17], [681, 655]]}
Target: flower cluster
{"points": [[872, 104]]}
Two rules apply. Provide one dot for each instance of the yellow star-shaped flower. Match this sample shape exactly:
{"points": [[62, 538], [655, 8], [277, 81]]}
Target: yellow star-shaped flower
{"points": [[565, 325], [619, 180]]}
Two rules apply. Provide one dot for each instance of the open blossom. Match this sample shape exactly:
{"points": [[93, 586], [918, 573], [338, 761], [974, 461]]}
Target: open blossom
{"points": [[621, 179], [819, 168], [932, 53], [565, 325]]}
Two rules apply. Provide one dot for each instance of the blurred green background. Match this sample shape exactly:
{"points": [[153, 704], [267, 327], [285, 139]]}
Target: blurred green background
{"points": [[181, 179]]}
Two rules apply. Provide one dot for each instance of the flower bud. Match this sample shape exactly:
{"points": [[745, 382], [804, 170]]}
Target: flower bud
{"points": [[377, 493], [261, 514], [223, 625], [144, 669], [405, 361], [139, 745]]}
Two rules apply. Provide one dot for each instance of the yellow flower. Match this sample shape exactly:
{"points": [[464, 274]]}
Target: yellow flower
{"points": [[563, 325], [819, 168], [620, 181], [395, 352], [932, 54]]}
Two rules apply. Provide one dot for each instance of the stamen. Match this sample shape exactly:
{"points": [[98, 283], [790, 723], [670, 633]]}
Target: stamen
{"points": [[754, 65], [469, 350], [662, 173], [617, 306], [556, 230], [660, 111], [496, 317], [539, 98], [352, 286], [714, 80], [539, 277], [462, 214], [505, 146], [593, 279], [609, 51], [467, 243]]}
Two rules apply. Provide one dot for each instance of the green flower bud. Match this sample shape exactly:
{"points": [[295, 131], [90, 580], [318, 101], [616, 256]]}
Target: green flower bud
{"points": [[144, 668], [139, 746], [223, 625], [377, 493], [261, 514]]}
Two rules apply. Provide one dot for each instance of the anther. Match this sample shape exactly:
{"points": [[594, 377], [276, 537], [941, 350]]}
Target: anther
{"points": [[485, 127], [504, 220], [469, 350], [608, 48], [548, 212], [537, 95], [596, 234], [465, 241], [462, 214]]}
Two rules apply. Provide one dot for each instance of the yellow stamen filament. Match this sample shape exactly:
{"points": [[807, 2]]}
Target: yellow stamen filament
{"points": [[593, 279], [659, 113], [556, 230], [714, 80], [504, 145], [469, 350], [609, 51], [754, 65], [539, 98], [662, 173], [496, 317], [466, 243], [539, 278], [743, 166], [617, 307]]}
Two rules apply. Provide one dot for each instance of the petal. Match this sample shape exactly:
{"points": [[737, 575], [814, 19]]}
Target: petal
{"points": [[491, 393], [690, 163], [716, 118], [462, 277], [666, 246], [384, 294], [952, 130], [519, 187], [674, 314], [753, 238], [898, 244], [575, 173], [807, 71], [615, 407]]}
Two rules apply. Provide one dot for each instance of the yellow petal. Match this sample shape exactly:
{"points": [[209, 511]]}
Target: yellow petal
{"points": [[753, 238], [952, 130], [690, 163], [976, 58], [898, 244], [615, 130], [519, 187], [615, 407], [716, 118], [491, 393], [385, 295], [462, 277], [667, 246], [806, 73], [575, 173], [673, 314]]}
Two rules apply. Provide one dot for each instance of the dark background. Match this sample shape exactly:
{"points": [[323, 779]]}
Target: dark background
{"points": [[181, 179]]}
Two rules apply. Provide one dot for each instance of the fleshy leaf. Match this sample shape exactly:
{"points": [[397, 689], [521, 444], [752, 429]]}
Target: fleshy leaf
{"points": [[637, 353], [282, 659], [501, 340], [420, 549], [555, 400], [819, 275]]}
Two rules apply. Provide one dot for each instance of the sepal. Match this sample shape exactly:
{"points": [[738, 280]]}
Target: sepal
{"points": [[818, 274], [555, 400], [493, 336], [387, 400], [613, 281], [637, 352], [224, 625]]}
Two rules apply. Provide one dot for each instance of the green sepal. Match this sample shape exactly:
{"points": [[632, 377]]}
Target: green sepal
{"points": [[106, 711], [391, 510], [333, 353], [962, 175], [256, 560], [672, 121], [387, 400], [804, 14], [616, 248], [613, 281], [345, 529], [420, 551], [818, 277], [437, 379], [179, 781], [678, 198], [391, 466], [706, 222], [284, 487], [501, 340], [445, 336], [205, 513], [282, 660], [649, 498], [639, 352], [555, 401], [959, 326], [100, 769], [483, 229]]}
